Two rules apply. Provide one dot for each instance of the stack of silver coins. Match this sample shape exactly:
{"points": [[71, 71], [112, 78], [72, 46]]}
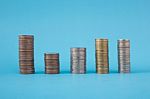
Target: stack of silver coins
{"points": [[101, 54], [51, 63], [124, 56], [26, 54], [78, 60]]}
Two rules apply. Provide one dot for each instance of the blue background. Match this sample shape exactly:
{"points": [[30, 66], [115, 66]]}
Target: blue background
{"points": [[58, 25]]}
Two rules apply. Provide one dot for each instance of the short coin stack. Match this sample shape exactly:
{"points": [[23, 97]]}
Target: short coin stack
{"points": [[51, 63], [78, 60], [26, 54], [124, 56], [101, 53]]}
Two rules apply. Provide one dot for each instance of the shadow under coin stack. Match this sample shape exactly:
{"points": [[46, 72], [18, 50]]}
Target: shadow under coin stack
{"points": [[101, 53], [124, 56], [26, 54], [51, 63], [78, 60]]}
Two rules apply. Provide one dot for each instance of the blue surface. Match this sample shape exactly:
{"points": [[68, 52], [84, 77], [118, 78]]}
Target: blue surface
{"points": [[60, 24]]}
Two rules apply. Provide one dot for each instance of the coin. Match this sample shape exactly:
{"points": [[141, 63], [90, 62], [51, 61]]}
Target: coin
{"points": [[52, 67], [51, 56], [26, 71], [51, 71]]}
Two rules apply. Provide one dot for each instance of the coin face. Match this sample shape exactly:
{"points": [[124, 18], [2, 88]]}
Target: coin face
{"points": [[124, 56]]}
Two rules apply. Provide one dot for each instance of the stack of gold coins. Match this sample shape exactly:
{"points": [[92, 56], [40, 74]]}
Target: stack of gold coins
{"points": [[26, 54], [124, 56], [51, 63], [101, 53], [78, 60]]}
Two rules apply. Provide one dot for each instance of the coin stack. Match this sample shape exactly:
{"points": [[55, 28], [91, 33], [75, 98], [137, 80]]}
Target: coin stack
{"points": [[124, 56], [78, 60], [51, 63], [26, 54], [101, 54]]}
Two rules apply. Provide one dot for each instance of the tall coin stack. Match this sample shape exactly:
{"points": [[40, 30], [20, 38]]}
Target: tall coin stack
{"points": [[78, 60], [26, 54], [124, 56], [101, 54], [51, 63]]}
